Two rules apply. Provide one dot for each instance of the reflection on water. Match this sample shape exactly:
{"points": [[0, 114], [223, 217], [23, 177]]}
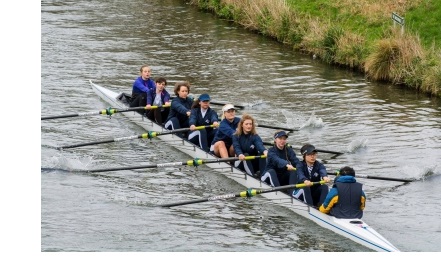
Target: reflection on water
{"points": [[382, 130]]}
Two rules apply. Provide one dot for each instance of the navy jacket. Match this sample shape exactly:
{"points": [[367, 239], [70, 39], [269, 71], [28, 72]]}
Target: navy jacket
{"points": [[248, 144], [278, 159], [226, 130], [318, 171], [179, 109], [151, 95], [197, 119], [346, 199]]}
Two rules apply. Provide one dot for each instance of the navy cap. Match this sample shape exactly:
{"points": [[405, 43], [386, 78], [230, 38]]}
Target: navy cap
{"points": [[307, 149], [204, 97], [280, 134]]}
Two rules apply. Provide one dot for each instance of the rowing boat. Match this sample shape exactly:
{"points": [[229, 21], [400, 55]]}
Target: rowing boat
{"points": [[354, 229]]}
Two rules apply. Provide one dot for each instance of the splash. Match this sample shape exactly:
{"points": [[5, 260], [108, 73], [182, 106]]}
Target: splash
{"points": [[313, 122], [357, 145], [70, 162]]}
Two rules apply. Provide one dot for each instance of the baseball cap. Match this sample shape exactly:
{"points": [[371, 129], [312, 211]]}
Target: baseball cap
{"points": [[204, 97], [307, 149], [280, 134], [228, 107]]}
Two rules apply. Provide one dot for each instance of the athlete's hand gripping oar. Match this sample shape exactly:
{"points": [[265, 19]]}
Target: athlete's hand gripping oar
{"points": [[195, 162], [147, 135], [318, 150], [108, 111], [379, 178], [247, 193], [275, 127]]}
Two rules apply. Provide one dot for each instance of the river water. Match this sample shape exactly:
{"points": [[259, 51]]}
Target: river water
{"points": [[382, 130]]}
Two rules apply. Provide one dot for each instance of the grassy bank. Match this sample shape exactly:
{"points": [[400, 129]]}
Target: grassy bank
{"points": [[357, 34]]}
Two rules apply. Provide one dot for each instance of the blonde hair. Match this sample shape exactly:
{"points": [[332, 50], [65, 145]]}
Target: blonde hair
{"points": [[239, 130]]}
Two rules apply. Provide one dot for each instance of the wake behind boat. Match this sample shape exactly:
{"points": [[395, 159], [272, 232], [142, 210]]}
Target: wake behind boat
{"points": [[353, 229]]}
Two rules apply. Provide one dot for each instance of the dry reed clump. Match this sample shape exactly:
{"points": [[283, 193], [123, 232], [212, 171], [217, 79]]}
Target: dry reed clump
{"points": [[395, 58], [350, 50], [262, 15]]}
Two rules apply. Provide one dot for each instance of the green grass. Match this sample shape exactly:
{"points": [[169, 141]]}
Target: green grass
{"points": [[424, 20]]}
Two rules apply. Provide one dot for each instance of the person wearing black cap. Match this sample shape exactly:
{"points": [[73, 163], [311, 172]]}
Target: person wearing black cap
{"points": [[158, 96], [222, 144], [180, 108], [247, 142], [346, 199], [202, 115], [281, 160], [311, 170]]}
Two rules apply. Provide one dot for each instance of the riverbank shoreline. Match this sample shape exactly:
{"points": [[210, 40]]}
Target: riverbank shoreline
{"points": [[359, 36]]}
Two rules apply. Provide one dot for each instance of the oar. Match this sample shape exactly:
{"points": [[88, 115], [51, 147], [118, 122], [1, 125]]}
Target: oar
{"points": [[219, 103], [108, 111], [247, 193], [149, 135], [195, 162], [275, 127], [380, 178], [318, 150]]}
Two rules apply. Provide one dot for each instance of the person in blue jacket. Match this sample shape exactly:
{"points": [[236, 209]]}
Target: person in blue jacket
{"points": [[246, 142], [180, 108], [346, 199], [280, 170], [160, 97], [311, 170], [142, 85], [222, 144], [202, 115]]}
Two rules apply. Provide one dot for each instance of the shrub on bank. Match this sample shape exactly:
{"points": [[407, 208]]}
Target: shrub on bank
{"points": [[358, 34]]}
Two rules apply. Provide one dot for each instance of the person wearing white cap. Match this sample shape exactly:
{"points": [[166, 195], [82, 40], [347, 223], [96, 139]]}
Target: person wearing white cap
{"points": [[202, 115], [247, 142], [311, 170], [222, 144], [280, 170], [180, 108]]}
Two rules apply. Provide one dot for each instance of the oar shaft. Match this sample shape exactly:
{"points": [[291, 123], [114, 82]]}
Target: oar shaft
{"points": [[246, 193], [378, 178], [275, 127], [101, 142], [318, 150], [109, 111], [195, 162]]}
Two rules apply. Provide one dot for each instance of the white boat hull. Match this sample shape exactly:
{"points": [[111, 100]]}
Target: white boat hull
{"points": [[354, 229]]}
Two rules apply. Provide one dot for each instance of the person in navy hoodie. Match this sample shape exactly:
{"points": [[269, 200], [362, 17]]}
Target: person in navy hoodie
{"points": [[346, 199], [142, 85], [202, 115], [222, 144], [180, 108], [311, 170], [160, 97], [280, 170], [247, 142]]}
